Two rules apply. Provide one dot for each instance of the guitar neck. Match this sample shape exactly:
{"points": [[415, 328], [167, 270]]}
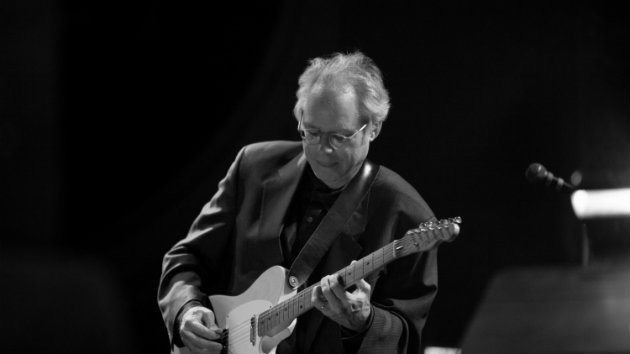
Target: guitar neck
{"points": [[288, 310], [423, 238]]}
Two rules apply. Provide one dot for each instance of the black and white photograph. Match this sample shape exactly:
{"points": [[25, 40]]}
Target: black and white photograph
{"points": [[315, 177]]}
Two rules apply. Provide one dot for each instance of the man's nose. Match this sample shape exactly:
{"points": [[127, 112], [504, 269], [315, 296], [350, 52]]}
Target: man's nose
{"points": [[324, 144]]}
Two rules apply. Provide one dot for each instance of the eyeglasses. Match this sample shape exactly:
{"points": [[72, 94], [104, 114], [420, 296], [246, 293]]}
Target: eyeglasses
{"points": [[336, 140]]}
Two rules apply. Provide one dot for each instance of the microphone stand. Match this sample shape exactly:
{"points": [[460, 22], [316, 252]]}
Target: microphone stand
{"points": [[586, 246]]}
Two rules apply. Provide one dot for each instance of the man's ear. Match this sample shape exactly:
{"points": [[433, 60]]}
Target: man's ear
{"points": [[376, 130]]}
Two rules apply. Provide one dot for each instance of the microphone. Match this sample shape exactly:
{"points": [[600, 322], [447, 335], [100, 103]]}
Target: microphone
{"points": [[536, 173]]}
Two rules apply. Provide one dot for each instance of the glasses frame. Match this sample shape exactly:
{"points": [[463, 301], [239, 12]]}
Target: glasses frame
{"points": [[316, 138]]}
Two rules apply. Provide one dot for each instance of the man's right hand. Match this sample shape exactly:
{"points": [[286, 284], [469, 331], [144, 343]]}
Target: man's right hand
{"points": [[199, 332]]}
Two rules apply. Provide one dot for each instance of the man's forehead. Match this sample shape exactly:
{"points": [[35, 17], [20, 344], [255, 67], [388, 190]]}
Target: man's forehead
{"points": [[332, 99], [332, 91]]}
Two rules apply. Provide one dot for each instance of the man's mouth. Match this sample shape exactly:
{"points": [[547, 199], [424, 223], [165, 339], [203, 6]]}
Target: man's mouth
{"points": [[326, 164]]}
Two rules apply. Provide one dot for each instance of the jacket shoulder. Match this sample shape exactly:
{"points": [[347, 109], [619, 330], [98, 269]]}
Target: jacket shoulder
{"points": [[391, 189], [269, 154]]}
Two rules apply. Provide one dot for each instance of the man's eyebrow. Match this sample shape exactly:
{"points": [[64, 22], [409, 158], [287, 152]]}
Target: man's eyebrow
{"points": [[311, 129], [342, 131]]}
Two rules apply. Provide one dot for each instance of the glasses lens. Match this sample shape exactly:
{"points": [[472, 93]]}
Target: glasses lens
{"points": [[310, 138], [337, 140]]}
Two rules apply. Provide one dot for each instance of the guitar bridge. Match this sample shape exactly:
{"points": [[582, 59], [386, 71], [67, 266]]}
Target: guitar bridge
{"points": [[224, 341]]}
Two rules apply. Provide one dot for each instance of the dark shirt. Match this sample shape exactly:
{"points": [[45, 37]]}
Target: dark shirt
{"points": [[310, 204]]}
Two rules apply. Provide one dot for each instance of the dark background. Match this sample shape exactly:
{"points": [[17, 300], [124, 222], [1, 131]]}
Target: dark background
{"points": [[118, 118]]}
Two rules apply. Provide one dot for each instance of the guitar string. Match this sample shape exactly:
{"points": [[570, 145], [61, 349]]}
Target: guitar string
{"points": [[292, 301], [245, 324], [242, 335], [272, 310], [279, 308], [241, 332]]}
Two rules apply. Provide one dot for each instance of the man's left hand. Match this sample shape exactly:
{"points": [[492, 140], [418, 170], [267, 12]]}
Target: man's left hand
{"points": [[351, 310]]}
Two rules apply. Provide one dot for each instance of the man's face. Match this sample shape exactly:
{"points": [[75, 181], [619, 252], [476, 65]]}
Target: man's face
{"points": [[328, 111]]}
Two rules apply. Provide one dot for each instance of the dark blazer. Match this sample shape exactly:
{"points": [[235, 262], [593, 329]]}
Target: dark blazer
{"points": [[237, 236]]}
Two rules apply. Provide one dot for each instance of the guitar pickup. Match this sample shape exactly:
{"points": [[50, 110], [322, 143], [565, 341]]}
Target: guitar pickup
{"points": [[252, 330]]}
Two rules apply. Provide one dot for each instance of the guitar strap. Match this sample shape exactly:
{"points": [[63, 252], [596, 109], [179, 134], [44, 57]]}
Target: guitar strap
{"points": [[331, 225]]}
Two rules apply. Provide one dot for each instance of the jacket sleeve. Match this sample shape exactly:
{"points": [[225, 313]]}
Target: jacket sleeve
{"points": [[399, 319], [403, 293], [195, 266]]}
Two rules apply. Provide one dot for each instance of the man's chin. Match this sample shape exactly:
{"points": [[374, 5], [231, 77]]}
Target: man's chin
{"points": [[332, 180]]}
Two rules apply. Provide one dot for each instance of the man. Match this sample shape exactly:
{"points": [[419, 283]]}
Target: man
{"points": [[274, 202]]}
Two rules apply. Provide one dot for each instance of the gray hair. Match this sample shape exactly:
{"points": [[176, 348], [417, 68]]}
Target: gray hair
{"points": [[344, 71]]}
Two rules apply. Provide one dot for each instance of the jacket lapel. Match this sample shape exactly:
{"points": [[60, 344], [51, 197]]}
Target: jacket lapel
{"points": [[278, 190]]}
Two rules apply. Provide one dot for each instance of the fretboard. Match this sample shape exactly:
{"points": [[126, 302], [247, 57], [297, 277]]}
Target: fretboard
{"points": [[286, 311]]}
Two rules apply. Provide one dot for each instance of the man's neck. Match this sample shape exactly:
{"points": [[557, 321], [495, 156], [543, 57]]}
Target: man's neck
{"points": [[318, 184], [323, 186]]}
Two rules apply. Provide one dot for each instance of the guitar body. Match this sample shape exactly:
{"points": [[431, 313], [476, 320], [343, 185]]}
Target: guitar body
{"points": [[235, 314]]}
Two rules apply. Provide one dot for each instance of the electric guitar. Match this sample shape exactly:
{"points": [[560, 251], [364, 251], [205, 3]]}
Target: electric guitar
{"points": [[266, 313]]}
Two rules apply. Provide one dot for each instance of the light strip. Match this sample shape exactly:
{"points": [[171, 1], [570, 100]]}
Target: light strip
{"points": [[601, 203]]}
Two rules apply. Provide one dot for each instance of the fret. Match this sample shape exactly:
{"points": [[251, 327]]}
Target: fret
{"points": [[358, 270], [387, 253], [349, 272], [307, 299], [368, 264], [275, 317], [292, 313], [378, 258], [261, 321], [301, 303], [266, 322]]}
